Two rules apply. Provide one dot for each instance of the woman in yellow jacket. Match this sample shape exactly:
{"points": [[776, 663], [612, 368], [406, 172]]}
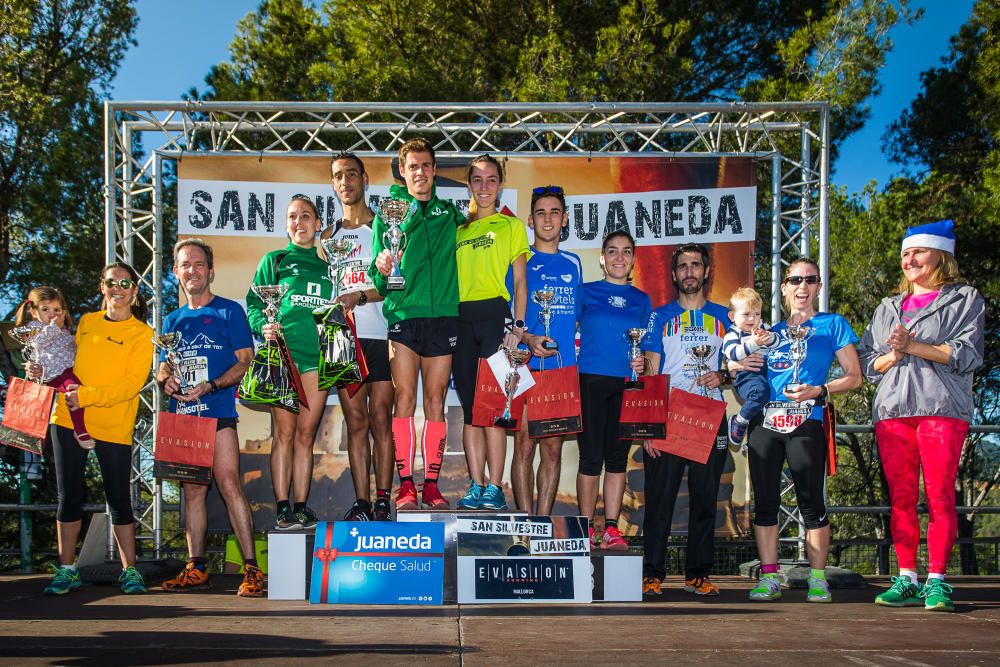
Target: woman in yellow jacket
{"points": [[114, 354]]}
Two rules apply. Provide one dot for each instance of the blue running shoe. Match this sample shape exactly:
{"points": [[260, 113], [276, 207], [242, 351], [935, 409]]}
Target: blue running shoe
{"points": [[472, 497], [131, 581], [64, 580], [493, 499]]}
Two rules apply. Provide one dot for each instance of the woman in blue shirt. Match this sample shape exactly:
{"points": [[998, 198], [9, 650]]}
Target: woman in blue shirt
{"points": [[792, 428], [609, 307]]}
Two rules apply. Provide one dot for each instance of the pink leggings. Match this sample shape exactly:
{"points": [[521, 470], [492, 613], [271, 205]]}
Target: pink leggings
{"points": [[905, 445]]}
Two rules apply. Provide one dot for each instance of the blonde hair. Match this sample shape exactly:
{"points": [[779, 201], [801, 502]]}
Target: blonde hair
{"points": [[946, 273], [747, 296], [35, 298]]}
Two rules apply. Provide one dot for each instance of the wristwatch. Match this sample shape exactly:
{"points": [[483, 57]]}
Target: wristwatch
{"points": [[215, 387], [519, 324], [362, 298], [824, 393]]}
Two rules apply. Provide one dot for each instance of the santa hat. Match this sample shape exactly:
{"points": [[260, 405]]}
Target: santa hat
{"points": [[939, 235]]}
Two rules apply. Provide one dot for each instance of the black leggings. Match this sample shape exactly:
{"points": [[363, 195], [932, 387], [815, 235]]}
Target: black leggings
{"points": [[805, 449], [71, 460], [601, 404], [480, 333]]}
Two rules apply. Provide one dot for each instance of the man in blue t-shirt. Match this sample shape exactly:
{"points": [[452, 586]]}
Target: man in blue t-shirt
{"points": [[549, 268], [675, 328], [215, 352]]}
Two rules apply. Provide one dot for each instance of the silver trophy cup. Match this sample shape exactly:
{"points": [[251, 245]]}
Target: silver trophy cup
{"points": [[271, 295], [543, 297], [393, 212], [798, 334], [337, 252], [516, 358], [634, 338], [26, 336], [699, 354], [170, 342]]}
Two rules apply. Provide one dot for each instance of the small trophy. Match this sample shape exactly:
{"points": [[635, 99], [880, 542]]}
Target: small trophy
{"points": [[699, 354], [634, 338], [271, 295], [26, 335], [798, 334], [337, 252], [516, 358], [543, 297], [169, 342], [393, 213], [269, 380]]}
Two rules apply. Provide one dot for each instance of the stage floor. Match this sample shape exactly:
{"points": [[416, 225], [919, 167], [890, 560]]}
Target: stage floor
{"points": [[95, 625]]}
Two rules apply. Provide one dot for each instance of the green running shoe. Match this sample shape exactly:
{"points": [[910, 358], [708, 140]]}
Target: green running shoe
{"points": [[64, 580], [819, 590], [935, 595], [131, 581], [768, 588], [902, 593], [307, 518]]}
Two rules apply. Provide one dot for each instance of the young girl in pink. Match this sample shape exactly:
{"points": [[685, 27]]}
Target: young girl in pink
{"points": [[54, 346]]}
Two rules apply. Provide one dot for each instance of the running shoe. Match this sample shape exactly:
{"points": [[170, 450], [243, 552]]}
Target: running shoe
{"points": [[189, 578], [902, 593], [131, 581], [612, 539], [63, 581], [768, 588], [819, 590], [381, 510], [253, 583], [288, 521], [594, 542], [430, 496], [737, 431], [361, 510], [493, 499], [701, 586], [406, 496], [307, 518], [936, 595], [472, 497], [652, 586]]}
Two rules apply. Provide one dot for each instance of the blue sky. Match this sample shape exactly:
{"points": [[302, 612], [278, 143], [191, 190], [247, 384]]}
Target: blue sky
{"points": [[180, 40]]}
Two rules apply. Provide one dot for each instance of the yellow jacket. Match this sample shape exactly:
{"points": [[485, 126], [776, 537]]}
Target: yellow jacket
{"points": [[113, 361]]}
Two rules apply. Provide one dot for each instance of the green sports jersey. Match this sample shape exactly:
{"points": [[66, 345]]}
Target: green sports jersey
{"points": [[309, 287], [428, 264]]}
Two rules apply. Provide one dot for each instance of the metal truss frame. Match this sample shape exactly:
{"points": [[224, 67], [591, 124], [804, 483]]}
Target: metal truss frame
{"points": [[792, 137]]}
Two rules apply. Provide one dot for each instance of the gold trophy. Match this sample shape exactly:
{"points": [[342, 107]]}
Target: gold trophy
{"points": [[393, 212], [699, 354], [516, 358], [543, 297], [634, 337]]}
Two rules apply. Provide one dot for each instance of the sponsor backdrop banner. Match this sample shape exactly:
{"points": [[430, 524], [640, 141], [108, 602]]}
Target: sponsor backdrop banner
{"points": [[238, 204]]}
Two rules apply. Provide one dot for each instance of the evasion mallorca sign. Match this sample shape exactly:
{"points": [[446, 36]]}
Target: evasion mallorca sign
{"points": [[378, 563]]}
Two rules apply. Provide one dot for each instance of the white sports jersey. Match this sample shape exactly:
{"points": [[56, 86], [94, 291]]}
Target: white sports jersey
{"points": [[368, 319]]}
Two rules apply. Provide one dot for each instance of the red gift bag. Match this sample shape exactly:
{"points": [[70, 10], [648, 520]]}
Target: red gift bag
{"points": [[28, 407], [489, 400], [692, 425], [185, 448], [553, 404], [352, 388], [644, 411]]}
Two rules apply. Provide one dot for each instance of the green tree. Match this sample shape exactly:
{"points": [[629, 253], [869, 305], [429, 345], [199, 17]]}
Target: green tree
{"points": [[57, 58]]}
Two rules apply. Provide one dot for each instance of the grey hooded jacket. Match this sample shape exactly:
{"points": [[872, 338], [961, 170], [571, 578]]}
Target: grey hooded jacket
{"points": [[916, 387]]}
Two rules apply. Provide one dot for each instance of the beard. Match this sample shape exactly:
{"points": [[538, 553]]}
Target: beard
{"points": [[694, 288]]}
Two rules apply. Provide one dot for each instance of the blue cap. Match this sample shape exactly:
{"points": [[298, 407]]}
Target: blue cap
{"points": [[939, 235]]}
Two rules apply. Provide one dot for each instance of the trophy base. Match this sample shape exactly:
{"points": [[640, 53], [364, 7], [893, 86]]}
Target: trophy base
{"points": [[395, 283], [550, 345], [633, 385], [505, 423]]}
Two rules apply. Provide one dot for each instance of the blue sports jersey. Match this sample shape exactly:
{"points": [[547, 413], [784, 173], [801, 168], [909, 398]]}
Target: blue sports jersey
{"points": [[607, 310], [832, 332], [561, 272], [674, 330], [211, 335]]}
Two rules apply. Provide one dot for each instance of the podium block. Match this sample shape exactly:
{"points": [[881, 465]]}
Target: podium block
{"points": [[617, 576], [290, 554]]}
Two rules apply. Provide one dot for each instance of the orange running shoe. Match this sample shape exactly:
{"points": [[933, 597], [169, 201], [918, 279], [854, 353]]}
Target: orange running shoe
{"points": [[612, 540], [651, 586], [406, 497], [701, 586], [188, 579], [253, 583], [431, 497]]}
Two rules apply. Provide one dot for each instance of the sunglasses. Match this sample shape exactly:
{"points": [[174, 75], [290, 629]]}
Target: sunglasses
{"points": [[548, 190], [123, 283], [798, 280]]}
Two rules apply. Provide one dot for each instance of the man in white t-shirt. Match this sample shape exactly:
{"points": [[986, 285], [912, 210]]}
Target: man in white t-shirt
{"points": [[370, 409]]}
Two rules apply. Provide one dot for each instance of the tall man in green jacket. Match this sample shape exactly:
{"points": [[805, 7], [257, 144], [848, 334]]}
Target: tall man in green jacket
{"points": [[422, 318]]}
